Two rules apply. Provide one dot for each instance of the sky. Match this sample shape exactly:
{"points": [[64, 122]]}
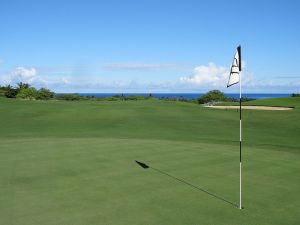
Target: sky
{"points": [[149, 45]]}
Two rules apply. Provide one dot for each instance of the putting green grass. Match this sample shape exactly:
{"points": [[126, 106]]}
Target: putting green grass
{"points": [[72, 163]]}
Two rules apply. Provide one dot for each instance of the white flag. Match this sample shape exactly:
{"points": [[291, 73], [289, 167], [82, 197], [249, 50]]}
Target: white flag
{"points": [[236, 68]]}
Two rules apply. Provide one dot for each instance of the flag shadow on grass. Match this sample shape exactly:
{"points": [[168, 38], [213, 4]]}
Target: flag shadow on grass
{"points": [[145, 166]]}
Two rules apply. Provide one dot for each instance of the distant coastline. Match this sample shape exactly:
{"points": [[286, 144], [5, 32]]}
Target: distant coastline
{"points": [[188, 96]]}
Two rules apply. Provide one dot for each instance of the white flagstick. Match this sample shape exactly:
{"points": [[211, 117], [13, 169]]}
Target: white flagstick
{"points": [[234, 78], [240, 140]]}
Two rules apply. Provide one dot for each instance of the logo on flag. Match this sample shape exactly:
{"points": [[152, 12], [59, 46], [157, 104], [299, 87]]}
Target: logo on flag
{"points": [[236, 68]]}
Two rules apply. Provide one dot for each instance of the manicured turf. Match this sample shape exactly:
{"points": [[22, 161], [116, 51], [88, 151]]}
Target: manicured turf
{"points": [[289, 102], [285, 102], [73, 163]]}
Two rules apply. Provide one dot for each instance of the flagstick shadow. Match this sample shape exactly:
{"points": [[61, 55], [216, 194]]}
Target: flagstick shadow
{"points": [[187, 183]]}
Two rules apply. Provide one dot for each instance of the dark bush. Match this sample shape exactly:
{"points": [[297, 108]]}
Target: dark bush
{"points": [[68, 97], [44, 94], [10, 92], [212, 96], [150, 96], [295, 95]]}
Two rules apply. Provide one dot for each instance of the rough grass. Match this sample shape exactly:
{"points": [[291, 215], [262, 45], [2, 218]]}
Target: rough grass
{"points": [[73, 163]]}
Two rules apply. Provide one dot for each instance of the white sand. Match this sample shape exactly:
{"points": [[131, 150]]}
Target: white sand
{"points": [[250, 107]]}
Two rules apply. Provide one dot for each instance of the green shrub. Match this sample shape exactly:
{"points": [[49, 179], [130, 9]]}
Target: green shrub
{"points": [[44, 94], [212, 96], [150, 96], [68, 97], [27, 93], [2, 91], [11, 93], [295, 95], [24, 91], [135, 97]]}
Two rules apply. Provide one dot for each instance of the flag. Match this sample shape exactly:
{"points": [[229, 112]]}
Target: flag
{"points": [[236, 68]]}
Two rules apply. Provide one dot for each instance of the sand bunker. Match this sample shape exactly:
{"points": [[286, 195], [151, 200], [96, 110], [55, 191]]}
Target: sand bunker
{"points": [[250, 107]]}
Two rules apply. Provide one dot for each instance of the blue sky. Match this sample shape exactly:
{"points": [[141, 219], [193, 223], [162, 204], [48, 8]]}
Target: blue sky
{"points": [[150, 46]]}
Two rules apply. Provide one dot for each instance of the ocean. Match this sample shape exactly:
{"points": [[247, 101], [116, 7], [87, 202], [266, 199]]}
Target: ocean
{"points": [[186, 95]]}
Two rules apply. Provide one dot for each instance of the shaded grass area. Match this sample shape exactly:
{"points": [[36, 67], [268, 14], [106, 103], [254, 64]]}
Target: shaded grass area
{"points": [[73, 163]]}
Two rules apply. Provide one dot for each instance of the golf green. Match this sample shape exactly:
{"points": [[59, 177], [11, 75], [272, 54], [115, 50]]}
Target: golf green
{"points": [[73, 163]]}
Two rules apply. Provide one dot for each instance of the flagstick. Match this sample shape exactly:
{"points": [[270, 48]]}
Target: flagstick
{"points": [[234, 78], [240, 140]]}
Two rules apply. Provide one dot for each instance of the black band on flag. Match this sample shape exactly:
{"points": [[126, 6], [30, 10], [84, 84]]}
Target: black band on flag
{"points": [[240, 57]]}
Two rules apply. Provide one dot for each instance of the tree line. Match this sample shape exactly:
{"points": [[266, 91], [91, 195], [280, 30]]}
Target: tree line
{"points": [[25, 91]]}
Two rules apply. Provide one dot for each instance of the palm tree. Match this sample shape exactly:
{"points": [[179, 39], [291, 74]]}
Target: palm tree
{"points": [[22, 85]]}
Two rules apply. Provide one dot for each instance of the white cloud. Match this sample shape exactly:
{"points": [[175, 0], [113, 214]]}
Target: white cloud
{"points": [[22, 74], [202, 79], [141, 67], [211, 75]]}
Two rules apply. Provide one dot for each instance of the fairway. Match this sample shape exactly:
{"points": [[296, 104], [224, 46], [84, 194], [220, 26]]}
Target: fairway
{"points": [[72, 163]]}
